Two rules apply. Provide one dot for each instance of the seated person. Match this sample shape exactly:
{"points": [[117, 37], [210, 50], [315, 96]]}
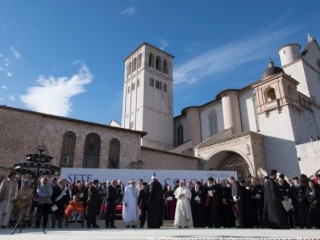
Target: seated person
{"points": [[75, 210]]}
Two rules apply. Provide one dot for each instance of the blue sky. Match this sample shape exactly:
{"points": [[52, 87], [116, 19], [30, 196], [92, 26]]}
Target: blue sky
{"points": [[65, 57]]}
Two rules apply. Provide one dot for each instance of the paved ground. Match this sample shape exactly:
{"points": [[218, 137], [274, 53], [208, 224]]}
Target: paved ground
{"points": [[166, 233]]}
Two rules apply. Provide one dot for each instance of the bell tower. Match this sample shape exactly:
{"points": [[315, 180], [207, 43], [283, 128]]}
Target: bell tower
{"points": [[148, 95]]}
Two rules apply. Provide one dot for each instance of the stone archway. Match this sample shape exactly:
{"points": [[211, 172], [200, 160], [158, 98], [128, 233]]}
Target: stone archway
{"points": [[229, 161]]}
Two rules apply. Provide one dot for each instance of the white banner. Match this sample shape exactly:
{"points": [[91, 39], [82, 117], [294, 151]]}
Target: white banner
{"points": [[164, 176]]}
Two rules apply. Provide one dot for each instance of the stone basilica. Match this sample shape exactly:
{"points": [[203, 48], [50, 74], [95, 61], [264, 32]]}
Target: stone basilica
{"points": [[267, 124]]}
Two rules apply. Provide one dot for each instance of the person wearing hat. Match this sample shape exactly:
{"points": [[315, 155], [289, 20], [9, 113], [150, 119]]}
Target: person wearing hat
{"points": [[8, 193], [155, 209], [130, 201], [211, 200], [273, 211], [196, 205], [183, 215], [301, 204]]}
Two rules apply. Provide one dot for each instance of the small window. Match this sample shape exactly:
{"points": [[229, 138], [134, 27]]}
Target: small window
{"points": [[151, 82], [165, 66], [134, 64], [131, 125], [139, 60], [179, 134], [271, 95], [158, 63], [164, 87], [128, 89], [151, 60], [129, 68], [138, 83], [132, 86]]}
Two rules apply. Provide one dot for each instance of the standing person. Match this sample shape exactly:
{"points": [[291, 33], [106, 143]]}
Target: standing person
{"points": [[183, 215], [93, 204], [196, 206], [143, 202], [247, 204], [273, 211], [256, 191], [130, 202], [60, 199], [301, 204], [169, 203], [44, 193], [210, 203], [227, 216], [238, 200], [155, 210], [286, 198], [8, 193], [112, 198], [313, 196]]}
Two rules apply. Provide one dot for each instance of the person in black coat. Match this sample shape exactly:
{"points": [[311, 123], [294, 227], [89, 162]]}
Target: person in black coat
{"points": [[60, 198], [155, 209], [256, 190], [286, 195], [301, 204], [93, 204], [143, 202], [313, 196], [273, 211], [196, 206], [111, 201], [227, 216]]}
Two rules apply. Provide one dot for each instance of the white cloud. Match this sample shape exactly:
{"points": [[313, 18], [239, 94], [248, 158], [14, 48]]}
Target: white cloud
{"points": [[12, 98], [129, 11], [9, 74], [191, 47], [163, 44], [4, 87], [230, 56], [54, 94], [15, 53]]}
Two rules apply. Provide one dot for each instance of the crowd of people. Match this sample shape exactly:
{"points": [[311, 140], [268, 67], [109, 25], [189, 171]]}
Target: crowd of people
{"points": [[274, 202]]}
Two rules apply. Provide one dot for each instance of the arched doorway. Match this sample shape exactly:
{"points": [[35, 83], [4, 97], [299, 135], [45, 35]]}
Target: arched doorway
{"points": [[229, 161]]}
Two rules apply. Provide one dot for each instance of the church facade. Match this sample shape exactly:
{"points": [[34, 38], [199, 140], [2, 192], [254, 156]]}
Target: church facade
{"points": [[267, 124]]}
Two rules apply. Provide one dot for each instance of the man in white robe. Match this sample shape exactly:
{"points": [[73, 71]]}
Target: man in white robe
{"points": [[130, 210], [183, 214], [8, 193]]}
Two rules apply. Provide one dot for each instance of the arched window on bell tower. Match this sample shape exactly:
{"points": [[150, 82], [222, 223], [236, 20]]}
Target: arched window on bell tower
{"points": [[139, 60], [114, 153], [134, 64], [158, 63], [91, 156], [165, 66], [270, 95], [151, 60]]}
